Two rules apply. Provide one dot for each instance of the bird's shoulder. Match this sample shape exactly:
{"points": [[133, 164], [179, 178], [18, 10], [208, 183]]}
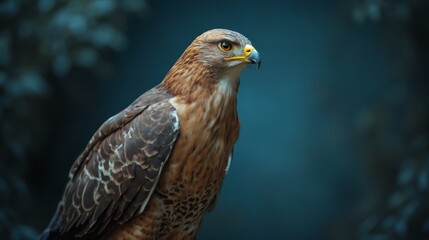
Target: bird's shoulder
{"points": [[153, 97]]}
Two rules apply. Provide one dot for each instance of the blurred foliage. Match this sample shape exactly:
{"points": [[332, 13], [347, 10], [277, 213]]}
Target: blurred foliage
{"points": [[394, 132], [48, 48]]}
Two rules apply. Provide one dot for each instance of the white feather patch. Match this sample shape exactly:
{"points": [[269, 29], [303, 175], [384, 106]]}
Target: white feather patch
{"points": [[228, 164], [176, 123]]}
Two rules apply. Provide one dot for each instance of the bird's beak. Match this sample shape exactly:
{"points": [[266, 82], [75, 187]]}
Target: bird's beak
{"points": [[250, 55]]}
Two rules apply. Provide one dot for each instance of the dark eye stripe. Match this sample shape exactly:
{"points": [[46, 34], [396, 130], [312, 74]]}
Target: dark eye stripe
{"points": [[232, 42]]}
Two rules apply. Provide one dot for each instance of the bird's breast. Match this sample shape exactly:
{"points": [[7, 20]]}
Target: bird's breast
{"points": [[209, 128]]}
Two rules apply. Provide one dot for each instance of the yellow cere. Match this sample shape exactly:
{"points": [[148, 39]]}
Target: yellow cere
{"points": [[248, 49]]}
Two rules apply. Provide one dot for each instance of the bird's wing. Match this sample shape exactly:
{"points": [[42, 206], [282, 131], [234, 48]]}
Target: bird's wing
{"points": [[116, 174]]}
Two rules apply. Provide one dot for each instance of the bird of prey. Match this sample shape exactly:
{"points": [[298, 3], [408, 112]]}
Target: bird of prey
{"points": [[153, 170]]}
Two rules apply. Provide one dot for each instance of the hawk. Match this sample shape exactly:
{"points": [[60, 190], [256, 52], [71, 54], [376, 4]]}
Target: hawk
{"points": [[153, 170]]}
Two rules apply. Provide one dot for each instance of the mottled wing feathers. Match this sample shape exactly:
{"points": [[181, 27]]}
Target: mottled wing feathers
{"points": [[116, 174], [119, 120]]}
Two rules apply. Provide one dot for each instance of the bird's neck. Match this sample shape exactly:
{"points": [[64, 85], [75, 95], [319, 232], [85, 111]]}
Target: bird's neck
{"points": [[199, 89], [196, 81]]}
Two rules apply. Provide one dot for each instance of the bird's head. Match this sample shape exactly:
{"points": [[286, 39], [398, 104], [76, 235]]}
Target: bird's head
{"points": [[213, 56], [225, 50]]}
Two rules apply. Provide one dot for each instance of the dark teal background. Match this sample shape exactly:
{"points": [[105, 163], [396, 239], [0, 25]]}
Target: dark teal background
{"points": [[334, 140]]}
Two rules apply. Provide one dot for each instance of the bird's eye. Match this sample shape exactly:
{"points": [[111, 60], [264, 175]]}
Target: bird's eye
{"points": [[225, 46]]}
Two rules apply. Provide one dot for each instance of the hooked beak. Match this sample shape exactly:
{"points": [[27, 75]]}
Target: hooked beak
{"points": [[255, 58], [250, 55]]}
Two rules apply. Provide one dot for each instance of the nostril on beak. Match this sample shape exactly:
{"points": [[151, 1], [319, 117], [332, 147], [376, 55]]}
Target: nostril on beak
{"points": [[248, 50]]}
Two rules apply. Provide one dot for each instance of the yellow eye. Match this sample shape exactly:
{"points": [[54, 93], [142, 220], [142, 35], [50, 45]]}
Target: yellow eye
{"points": [[225, 46]]}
